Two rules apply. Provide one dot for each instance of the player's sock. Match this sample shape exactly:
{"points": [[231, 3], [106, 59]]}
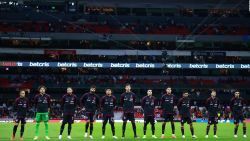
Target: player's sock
{"points": [[113, 128], [192, 130], [144, 128], [153, 129], [208, 128], [62, 128], [86, 127], [14, 129], [69, 129], [182, 130], [163, 128], [37, 129], [236, 129], [244, 130], [22, 130], [134, 128], [124, 128], [173, 127], [104, 127], [215, 129], [91, 128], [46, 128]]}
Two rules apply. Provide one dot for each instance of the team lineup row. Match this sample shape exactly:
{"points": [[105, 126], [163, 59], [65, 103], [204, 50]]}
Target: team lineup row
{"points": [[90, 103]]}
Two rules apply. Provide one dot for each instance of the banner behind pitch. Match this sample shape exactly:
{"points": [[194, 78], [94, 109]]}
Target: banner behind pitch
{"points": [[122, 65]]}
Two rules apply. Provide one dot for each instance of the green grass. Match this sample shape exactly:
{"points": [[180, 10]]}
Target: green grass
{"points": [[225, 132]]}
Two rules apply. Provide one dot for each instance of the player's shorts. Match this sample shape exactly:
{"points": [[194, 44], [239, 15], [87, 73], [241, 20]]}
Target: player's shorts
{"points": [[109, 118], [187, 120], [90, 116], [168, 117], [149, 119], [20, 119], [42, 117], [68, 118], [238, 118], [128, 116], [213, 120]]}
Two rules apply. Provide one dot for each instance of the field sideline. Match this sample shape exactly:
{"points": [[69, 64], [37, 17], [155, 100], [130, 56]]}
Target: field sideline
{"points": [[225, 132]]}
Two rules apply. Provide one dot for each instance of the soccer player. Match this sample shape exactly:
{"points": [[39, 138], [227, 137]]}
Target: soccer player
{"points": [[184, 105], [90, 101], [68, 105], [127, 101], [168, 101], [212, 105], [42, 103], [21, 105], [236, 105], [148, 105], [108, 103]]}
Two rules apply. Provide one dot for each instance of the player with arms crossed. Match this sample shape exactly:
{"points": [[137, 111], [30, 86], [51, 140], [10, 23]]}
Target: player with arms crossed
{"points": [[68, 105], [127, 101], [168, 102], [42, 103], [212, 105], [90, 101], [21, 106], [184, 105], [108, 103], [237, 104], [148, 105]]}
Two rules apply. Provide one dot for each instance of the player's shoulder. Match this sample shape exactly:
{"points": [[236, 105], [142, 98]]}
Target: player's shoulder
{"points": [[113, 97], [17, 99], [47, 95]]}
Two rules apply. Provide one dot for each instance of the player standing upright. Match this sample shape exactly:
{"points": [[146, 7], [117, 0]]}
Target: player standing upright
{"points": [[168, 102], [212, 105], [237, 104], [68, 105], [108, 103], [42, 103], [148, 105], [127, 101], [184, 105], [21, 105], [90, 101]]}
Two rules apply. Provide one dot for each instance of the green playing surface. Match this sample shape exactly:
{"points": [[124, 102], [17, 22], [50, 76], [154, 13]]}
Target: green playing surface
{"points": [[225, 132]]}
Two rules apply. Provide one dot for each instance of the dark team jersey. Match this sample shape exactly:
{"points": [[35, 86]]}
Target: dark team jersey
{"points": [[148, 105], [237, 105], [108, 104], [167, 103], [212, 105], [42, 103], [128, 101], [90, 101], [69, 103], [21, 106], [184, 105]]}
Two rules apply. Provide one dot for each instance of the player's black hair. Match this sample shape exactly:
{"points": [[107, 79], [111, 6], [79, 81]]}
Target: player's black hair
{"points": [[168, 87], [109, 89], [185, 91], [93, 86], [236, 91], [42, 86], [127, 84]]}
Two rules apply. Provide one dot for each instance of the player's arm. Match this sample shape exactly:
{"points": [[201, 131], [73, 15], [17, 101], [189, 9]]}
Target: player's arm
{"points": [[49, 103], [82, 100], [232, 104], [122, 99], [143, 102], [179, 104], [162, 102], [114, 98], [62, 102]]}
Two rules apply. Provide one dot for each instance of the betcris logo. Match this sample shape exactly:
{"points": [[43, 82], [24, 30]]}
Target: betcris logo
{"points": [[173, 66], [65, 64], [245, 66], [19, 64], [39, 64]]}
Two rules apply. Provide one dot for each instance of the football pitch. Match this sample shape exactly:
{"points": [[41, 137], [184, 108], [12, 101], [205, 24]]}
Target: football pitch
{"points": [[225, 132]]}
